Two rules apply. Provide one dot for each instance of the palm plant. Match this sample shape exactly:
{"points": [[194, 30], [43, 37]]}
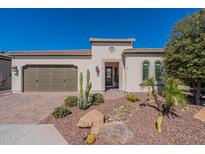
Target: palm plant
{"points": [[150, 83], [173, 94]]}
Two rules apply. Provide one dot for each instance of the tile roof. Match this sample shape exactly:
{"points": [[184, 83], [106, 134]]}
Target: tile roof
{"points": [[113, 40], [4, 55], [144, 51], [52, 53]]}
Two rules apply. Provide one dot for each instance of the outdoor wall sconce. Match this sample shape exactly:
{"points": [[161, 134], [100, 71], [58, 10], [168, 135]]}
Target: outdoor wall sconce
{"points": [[15, 70], [97, 70]]}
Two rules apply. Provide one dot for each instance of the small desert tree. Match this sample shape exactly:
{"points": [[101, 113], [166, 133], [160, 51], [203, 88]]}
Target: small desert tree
{"points": [[184, 56]]}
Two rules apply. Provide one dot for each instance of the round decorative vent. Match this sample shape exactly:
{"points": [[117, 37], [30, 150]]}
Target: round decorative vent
{"points": [[112, 49]]}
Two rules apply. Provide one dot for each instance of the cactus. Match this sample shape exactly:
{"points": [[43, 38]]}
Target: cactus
{"points": [[82, 104], [81, 101], [159, 123], [81, 84], [88, 87], [84, 100]]}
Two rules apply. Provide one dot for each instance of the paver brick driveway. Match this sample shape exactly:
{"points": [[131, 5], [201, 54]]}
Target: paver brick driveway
{"points": [[29, 108]]}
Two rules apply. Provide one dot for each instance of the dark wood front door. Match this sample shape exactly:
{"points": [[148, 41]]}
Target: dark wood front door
{"points": [[108, 76]]}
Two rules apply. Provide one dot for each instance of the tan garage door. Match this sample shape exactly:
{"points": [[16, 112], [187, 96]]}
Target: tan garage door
{"points": [[50, 78]]}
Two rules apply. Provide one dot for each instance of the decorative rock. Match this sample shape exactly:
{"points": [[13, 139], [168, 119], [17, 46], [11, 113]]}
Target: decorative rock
{"points": [[96, 127], [115, 132], [93, 119], [200, 115], [90, 139], [121, 113], [84, 122], [84, 138]]}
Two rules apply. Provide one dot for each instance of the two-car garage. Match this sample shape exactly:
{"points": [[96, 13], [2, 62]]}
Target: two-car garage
{"points": [[50, 78], [48, 70]]}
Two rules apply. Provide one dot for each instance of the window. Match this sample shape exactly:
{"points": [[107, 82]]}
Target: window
{"points": [[157, 70], [145, 70]]}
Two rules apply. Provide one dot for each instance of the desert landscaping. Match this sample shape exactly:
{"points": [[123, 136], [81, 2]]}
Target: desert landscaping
{"points": [[129, 122]]}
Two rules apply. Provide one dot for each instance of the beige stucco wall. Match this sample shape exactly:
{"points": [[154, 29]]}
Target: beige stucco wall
{"points": [[83, 63], [5, 69], [134, 69], [130, 66], [100, 55]]}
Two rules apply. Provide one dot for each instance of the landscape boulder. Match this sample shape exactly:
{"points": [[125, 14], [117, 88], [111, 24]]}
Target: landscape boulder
{"points": [[93, 119], [115, 132], [200, 115], [121, 113]]}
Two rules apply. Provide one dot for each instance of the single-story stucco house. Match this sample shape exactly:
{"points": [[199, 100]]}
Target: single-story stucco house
{"points": [[113, 63], [5, 71]]}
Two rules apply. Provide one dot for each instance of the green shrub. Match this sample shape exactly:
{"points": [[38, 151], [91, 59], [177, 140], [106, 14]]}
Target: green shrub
{"points": [[132, 98], [71, 101], [60, 112], [97, 99]]}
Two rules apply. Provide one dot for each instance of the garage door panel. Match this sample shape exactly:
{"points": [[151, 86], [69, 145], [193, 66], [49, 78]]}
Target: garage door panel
{"points": [[70, 75], [70, 78], [71, 71], [50, 78], [29, 73], [43, 81], [29, 81], [70, 82], [43, 87], [57, 87], [43, 74]]}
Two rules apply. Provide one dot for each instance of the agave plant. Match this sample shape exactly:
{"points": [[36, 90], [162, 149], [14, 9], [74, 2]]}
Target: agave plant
{"points": [[150, 83], [173, 94]]}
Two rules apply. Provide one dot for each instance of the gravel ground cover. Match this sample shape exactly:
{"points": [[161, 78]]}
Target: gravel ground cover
{"points": [[183, 129]]}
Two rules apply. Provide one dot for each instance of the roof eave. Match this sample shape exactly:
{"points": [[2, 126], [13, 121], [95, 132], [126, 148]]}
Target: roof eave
{"points": [[49, 55], [52, 53], [125, 53], [101, 40], [5, 57], [143, 51]]}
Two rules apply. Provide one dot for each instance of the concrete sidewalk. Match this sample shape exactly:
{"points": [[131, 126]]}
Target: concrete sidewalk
{"points": [[30, 134]]}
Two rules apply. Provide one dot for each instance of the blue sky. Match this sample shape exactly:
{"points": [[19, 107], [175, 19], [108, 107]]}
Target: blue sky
{"points": [[50, 29]]}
